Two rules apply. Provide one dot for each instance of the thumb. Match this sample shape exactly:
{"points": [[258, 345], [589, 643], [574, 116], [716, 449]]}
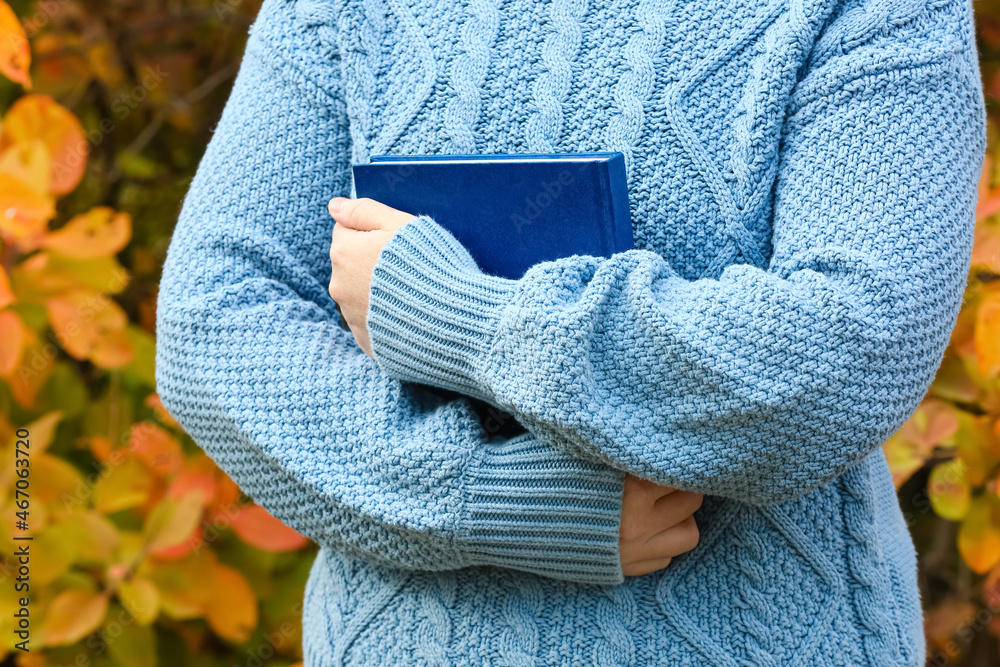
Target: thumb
{"points": [[365, 215]]}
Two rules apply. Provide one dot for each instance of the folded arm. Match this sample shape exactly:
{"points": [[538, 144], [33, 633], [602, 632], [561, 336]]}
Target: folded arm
{"points": [[768, 381], [252, 361]]}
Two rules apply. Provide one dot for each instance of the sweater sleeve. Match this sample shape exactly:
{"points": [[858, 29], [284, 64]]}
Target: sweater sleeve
{"points": [[253, 363], [767, 381]]}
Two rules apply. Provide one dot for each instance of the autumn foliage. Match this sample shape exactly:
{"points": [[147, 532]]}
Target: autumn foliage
{"points": [[143, 552]]}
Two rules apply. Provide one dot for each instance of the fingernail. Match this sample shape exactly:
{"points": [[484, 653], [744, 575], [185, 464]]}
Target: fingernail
{"points": [[336, 204]]}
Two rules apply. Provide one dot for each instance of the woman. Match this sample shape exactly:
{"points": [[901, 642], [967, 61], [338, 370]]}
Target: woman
{"points": [[802, 177]]}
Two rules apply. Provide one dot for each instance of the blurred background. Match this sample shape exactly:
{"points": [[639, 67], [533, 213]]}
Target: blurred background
{"points": [[143, 553]]}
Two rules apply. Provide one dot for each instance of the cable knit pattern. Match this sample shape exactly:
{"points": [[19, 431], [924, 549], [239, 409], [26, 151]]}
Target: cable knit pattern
{"points": [[545, 125], [616, 615], [637, 84], [468, 72], [867, 569], [773, 327]]}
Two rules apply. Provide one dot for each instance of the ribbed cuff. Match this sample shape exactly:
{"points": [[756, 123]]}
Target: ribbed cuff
{"points": [[534, 508], [432, 313]]}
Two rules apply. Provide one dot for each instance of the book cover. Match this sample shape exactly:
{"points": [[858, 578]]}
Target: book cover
{"points": [[511, 211]]}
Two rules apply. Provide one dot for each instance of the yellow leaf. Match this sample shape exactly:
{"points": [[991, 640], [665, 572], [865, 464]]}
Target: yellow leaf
{"points": [[232, 609], [172, 522], [15, 52], [24, 213], [73, 615], [949, 490], [44, 274], [95, 536], [934, 423], [140, 599], [979, 536], [97, 233], [988, 337], [42, 431], [127, 484], [12, 339], [28, 162], [53, 552], [53, 479], [40, 117], [184, 585]]}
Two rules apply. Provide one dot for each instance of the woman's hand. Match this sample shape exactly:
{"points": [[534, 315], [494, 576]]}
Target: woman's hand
{"points": [[363, 227], [657, 524]]}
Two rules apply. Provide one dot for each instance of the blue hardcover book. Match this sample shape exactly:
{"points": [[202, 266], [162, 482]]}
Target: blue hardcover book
{"points": [[511, 211]]}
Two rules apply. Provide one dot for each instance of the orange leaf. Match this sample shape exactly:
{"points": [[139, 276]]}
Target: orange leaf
{"points": [[194, 480], [36, 365], [15, 53], [988, 337], [986, 250], [258, 528], [97, 233], [73, 615], [13, 337], [83, 320], [979, 536], [153, 401], [159, 449], [232, 609], [40, 117], [113, 350]]}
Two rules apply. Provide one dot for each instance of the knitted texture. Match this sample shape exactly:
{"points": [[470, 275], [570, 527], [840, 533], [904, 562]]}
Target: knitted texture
{"points": [[802, 178]]}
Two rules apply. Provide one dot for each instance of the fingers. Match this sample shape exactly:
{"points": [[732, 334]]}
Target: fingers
{"points": [[676, 507], [642, 520], [675, 540], [366, 215], [659, 551]]}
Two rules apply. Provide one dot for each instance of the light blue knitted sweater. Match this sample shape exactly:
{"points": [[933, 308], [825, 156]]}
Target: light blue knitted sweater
{"points": [[802, 176]]}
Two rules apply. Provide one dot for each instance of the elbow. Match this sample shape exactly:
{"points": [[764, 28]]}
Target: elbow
{"points": [[838, 424]]}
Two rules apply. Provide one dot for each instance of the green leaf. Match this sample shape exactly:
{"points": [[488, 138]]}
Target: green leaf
{"points": [[128, 642], [63, 390], [142, 365]]}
